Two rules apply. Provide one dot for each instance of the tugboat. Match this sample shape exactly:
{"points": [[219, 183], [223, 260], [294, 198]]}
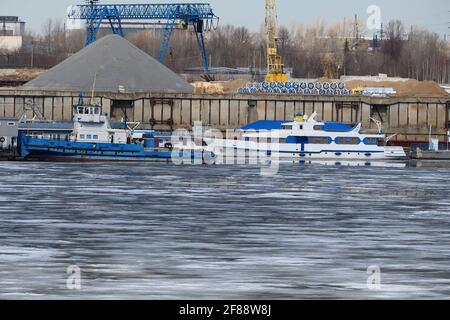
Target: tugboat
{"points": [[304, 139], [93, 139]]}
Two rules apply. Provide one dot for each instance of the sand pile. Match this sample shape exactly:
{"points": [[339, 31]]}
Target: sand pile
{"points": [[234, 85], [20, 74], [408, 88], [325, 80], [219, 87]]}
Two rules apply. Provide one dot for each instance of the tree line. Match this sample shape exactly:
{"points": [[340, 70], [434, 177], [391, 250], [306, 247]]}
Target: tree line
{"points": [[318, 49]]}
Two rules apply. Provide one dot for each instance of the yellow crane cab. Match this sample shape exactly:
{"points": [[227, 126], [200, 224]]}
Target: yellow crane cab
{"points": [[358, 90]]}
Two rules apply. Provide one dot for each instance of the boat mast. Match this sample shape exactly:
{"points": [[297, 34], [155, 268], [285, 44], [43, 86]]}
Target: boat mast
{"points": [[93, 89]]}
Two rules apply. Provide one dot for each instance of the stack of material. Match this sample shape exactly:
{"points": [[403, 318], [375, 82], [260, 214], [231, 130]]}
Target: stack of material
{"points": [[298, 88], [116, 65], [219, 87], [378, 78], [404, 88], [17, 77], [446, 87], [208, 88]]}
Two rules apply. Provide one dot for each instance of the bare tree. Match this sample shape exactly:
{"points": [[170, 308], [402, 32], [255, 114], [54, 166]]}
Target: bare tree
{"points": [[312, 50]]}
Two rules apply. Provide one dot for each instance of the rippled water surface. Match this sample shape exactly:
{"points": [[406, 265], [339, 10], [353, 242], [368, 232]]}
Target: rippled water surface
{"points": [[160, 231]]}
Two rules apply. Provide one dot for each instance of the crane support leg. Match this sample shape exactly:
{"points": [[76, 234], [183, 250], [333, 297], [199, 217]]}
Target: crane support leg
{"points": [[198, 27], [165, 41], [114, 20], [93, 24]]}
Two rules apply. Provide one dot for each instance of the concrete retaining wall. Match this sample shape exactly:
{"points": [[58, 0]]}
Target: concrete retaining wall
{"points": [[409, 117]]}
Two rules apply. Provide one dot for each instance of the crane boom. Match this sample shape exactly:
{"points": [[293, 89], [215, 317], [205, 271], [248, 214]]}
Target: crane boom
{"points": [[275, 67]]}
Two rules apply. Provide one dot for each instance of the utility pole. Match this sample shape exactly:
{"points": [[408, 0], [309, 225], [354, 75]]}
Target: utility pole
{"points": [[4, 28], [345, 27], [356, 29], [32, 56], [381, 33]]}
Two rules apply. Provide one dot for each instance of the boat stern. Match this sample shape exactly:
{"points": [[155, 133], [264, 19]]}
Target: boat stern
{"points": [[395, 153]]}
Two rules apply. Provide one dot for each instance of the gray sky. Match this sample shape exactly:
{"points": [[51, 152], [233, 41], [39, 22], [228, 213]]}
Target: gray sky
{"points": [[432, 14]]}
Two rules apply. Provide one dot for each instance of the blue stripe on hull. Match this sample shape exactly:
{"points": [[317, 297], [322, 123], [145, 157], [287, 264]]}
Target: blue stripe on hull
{"points": [[308, 152]]}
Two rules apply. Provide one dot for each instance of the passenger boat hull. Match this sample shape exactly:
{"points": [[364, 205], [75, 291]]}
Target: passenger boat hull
{"points": [[232, 148]]}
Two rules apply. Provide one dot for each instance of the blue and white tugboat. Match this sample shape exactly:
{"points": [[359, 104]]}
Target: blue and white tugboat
{"points": [[305, 138], [93, 139]]}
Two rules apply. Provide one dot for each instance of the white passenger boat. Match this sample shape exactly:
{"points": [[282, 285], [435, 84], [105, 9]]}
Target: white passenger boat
{"points": [[305, 138]]}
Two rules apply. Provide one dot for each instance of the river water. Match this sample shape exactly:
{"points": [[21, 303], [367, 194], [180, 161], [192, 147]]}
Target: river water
{"points": [[161, 231]]}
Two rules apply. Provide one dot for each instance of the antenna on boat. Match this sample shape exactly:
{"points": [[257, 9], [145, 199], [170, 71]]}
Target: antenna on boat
{"points": [[93, 88]]}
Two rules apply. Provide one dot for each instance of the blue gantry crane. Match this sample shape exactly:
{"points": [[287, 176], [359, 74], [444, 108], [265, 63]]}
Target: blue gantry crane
{"points": [[165, 16]]}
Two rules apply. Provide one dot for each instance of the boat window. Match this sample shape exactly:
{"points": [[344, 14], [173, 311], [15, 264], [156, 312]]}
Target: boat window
{"points": [[371, 141], [287, 127], [347, 140], [381, 142], [88, 137], [11, 124], [283, 140], [95, 137], [318, 128], [97, 110], [82, 136], [319, 140]]}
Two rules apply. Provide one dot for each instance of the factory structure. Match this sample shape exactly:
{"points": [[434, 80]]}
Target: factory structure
{"points": [[129, 84], [12, 30]]}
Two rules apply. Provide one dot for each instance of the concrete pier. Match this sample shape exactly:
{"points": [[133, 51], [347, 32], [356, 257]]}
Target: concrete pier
{"points": [[430, 155], [410, 118]]}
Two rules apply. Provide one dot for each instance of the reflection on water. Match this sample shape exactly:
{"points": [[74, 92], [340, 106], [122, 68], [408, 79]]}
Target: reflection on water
{"points": [[161, 231]]}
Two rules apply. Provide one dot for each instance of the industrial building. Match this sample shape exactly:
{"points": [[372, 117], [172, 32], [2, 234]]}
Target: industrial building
{"points": [[11, 32]]}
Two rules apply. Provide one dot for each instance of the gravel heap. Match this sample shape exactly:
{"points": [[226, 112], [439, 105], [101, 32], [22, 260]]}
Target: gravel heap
{"points": [[117, 64]]}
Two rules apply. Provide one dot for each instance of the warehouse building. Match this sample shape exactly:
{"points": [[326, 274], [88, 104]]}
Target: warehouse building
{"points": [[11, 33]]}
